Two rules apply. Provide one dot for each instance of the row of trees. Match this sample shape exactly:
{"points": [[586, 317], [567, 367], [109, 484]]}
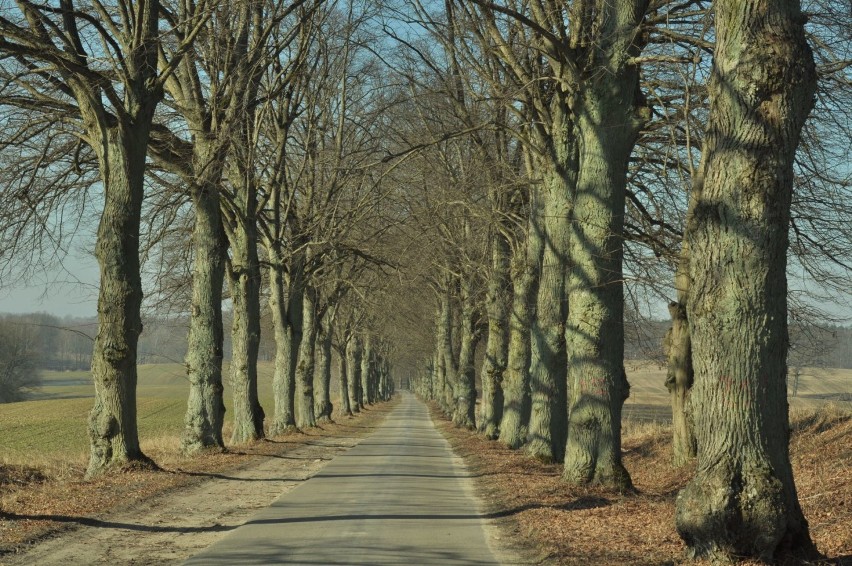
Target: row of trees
{"points": [[611, 156], [399, 183], [249, 130]]}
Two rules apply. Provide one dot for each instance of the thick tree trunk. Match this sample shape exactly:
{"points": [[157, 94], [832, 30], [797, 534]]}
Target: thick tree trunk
{"points": [[322, 403], [516, 386], [113, 432], [285, 304], [742, 500], [305, 416], [548, 416], [353, 364], [205, 411], [610, 112], [244, 279], [496, 349], [595, 330]]}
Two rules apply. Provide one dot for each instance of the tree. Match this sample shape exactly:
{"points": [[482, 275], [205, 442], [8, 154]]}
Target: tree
{"points": [[742, 500], [18, 357], [111, 94]]}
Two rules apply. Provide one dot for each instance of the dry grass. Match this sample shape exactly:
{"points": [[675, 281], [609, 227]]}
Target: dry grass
{"points": [[569, 525]]}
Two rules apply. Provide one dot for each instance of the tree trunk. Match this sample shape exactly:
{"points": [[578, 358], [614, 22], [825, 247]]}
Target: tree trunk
{"points": [[516, 386], [244, 279], [353, 363], [464, 414], [305, 416], [343, 374], [113, 432], [285, 303], [205, 411], [548, 416], [679, 377], [595, 331], [742, 501], [496, 349], [323, 406], [367, 371]]}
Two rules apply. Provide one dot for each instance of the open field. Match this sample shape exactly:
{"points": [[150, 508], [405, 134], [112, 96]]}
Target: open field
{"points": [[52, 428], [649, 399]]}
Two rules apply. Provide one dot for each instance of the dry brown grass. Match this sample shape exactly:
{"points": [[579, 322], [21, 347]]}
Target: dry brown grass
{"points": [[563, 524]]}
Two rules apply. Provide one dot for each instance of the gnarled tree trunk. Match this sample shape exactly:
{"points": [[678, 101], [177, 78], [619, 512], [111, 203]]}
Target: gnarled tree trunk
{"points": [[113, 432], [742, 500]]}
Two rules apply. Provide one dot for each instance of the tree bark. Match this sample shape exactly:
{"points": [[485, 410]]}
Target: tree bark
{"points": [[113, 432], [343, 375], [353, 363], [205, 412], [464, 413], [244, 279], [305, 416], [516, 384], [285, 303], [742, 501], [496, 349], [548, 358], [679, 378], [121, 150], [367, 371], [610, 112], [322, 403]]}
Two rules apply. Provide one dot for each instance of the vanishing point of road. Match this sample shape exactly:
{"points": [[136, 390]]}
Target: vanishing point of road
{"points": [[399, 497]]}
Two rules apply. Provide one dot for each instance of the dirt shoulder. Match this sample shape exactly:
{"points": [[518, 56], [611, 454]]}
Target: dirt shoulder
{"points": [[143, 517], [547, 521]]}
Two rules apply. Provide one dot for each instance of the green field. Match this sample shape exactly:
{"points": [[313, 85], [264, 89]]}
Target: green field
{"points": [[52, 427]]}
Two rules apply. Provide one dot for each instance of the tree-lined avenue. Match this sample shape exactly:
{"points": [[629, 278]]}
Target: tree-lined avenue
{"points": [[400, 496]]}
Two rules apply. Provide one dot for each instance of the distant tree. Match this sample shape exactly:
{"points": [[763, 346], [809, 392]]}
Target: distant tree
{"points": [[18, 372]]}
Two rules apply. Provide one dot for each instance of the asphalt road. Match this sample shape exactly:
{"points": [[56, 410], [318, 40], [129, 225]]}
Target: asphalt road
{"points": [[399, 497]]}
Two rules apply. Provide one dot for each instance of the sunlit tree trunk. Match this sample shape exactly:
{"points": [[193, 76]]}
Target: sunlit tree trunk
{"points": [[679, 378], [285, 303], [113, 430], [343, 376], [516, 395], [205, 412], [353, 364], [464, 381], [547, 426], [496, 350], [244, 279], [121, 149], [742, 500], [305, 416], [610, 112], [322, 379]]}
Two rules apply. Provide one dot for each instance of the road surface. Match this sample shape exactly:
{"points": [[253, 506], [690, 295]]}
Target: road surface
{"points": [[399, 497]]}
